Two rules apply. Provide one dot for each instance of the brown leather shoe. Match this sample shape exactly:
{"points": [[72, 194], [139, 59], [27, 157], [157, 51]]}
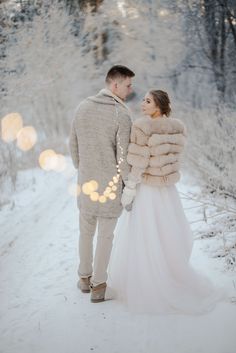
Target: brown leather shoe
{"points": [[98, 293], [84, 284]]}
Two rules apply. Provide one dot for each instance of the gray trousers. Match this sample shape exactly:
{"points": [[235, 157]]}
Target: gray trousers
{"points": [[97, 268]]}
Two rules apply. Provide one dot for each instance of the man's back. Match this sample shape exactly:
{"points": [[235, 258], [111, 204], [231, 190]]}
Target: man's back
{"points": [[99, 136]]}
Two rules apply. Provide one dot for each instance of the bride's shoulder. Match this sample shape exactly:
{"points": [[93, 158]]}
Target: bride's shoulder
{"points": [[160, 126], [143, 124], [168, 125], [179, 126], [139, 122]]}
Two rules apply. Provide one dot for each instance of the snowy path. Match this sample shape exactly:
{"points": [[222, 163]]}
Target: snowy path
{"points": [[43, 311]]}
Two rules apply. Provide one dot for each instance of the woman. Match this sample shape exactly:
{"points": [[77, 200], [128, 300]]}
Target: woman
{"points": [[149, 268]]}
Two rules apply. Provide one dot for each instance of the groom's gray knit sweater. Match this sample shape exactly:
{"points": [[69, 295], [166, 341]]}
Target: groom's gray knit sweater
{"points": [[100, 132]]}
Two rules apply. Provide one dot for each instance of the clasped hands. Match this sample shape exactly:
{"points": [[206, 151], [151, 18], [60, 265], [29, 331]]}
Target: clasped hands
{"points": [[128, 195]]}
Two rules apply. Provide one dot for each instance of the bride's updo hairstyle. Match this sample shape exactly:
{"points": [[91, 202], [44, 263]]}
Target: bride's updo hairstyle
{"points": [[161, 100]]}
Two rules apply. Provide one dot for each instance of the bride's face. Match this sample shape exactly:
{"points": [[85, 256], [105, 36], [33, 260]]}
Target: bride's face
{"points": [[148, 105]]}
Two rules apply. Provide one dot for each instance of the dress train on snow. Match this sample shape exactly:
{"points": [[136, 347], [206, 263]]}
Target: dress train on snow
{"points": [[150, 268]]}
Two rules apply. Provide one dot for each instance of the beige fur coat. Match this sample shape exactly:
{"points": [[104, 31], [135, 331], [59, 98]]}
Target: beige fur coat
{"points": [[155, 149]]}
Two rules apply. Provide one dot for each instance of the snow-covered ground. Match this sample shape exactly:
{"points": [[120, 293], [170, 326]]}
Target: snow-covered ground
{"points": [[43, 311]]}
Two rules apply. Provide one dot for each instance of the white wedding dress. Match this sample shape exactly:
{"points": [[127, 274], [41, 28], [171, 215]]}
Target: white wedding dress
{"points": [[149, 268]]}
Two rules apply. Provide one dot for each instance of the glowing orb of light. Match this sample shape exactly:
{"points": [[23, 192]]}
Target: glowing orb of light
{"points": [[163, 12], [74, 190], [111, 183], [102, 199], [26, 138], [114, 188], [11, 124], [112, 196], [90, 187], [48, 159], [87, 188], [94, 184], [94, 196], [115, 179], [107, 191], [60, 163]]}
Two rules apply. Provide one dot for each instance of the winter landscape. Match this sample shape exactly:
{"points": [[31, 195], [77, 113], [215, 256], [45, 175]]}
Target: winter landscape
{"points": [[54, 54]]}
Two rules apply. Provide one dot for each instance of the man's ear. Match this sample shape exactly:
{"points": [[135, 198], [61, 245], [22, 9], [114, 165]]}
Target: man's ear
{"points": [[113, 86]]}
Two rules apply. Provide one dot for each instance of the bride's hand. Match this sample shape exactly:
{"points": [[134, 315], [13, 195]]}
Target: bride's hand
{"points": [[127, 197], [129, 207]]}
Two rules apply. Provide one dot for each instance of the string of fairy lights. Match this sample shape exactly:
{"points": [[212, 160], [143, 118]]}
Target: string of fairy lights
{"points": [[13, 129]]}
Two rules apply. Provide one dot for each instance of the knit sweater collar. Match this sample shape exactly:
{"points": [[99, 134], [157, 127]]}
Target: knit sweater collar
{"points": [[107, 92], [105, 96]]}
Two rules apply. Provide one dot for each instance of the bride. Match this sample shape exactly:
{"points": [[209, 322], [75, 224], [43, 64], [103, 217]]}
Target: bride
{"points": [[149, 269]]}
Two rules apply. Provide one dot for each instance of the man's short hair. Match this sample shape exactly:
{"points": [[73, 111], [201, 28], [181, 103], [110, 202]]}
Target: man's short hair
{"points": [[119, 71]]}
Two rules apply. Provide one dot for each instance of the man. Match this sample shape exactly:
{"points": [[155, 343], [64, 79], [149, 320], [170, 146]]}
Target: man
{"points": [[99, 141]]}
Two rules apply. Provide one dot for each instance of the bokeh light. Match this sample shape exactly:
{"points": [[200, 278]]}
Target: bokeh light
{"points": [[94, 184], [112, 196], [87, 188], [48, 159], [107, 191], [60, 163], [164, 12], [94, 196], [11, 124], [102, 199], [90, 187], [26, 138]]}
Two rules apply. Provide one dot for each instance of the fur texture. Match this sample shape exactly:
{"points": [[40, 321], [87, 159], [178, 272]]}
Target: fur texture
{"points": [[155, 150]]}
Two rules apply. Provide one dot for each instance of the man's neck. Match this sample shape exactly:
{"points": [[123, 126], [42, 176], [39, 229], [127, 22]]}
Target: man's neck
{"points": [[114, 94], [109, 92]]}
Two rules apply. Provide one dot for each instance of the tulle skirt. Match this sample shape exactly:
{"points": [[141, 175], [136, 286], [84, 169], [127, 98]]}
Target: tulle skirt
{"points": [[150, 270]]}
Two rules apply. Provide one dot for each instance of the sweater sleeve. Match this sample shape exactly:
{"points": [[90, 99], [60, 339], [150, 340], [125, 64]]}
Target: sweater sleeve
{"points": [[137, 161], [122, 142], [73, 145]]}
